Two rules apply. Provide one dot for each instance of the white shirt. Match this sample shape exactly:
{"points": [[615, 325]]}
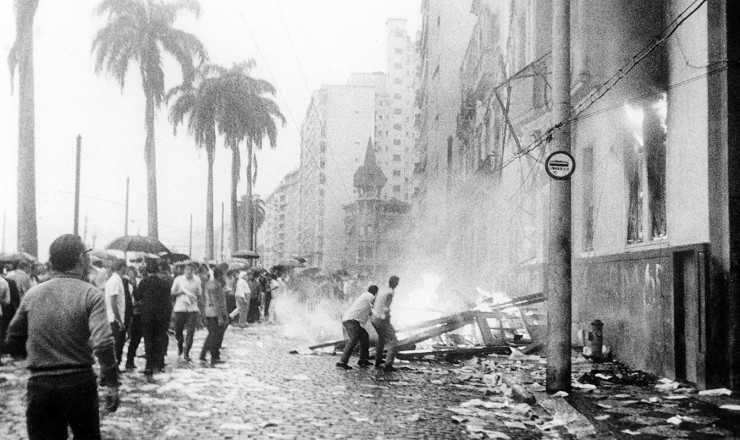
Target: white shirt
{"points": [[360, 308], [114, 296], [187, 301], [382, 306], [242, 287]]}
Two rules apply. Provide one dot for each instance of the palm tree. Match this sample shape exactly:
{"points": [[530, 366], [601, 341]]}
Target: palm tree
{"points": [[258, 208], [198, 102], [139, 31], [246, 115], [21, 56]]}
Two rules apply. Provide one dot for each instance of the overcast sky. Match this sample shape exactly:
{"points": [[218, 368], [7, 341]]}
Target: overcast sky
{"points": [[298, 45]]}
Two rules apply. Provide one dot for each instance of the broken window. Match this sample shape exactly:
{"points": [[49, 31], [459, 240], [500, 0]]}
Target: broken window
{"points": [[645, 168]]}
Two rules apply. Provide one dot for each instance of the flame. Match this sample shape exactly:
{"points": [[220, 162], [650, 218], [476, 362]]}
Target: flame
{"points": [[635, 117], [661, 106]]}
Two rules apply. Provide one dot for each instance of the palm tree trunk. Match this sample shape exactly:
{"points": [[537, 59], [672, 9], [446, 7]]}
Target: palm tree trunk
{"points": [[27, 229], [211, 152], [234, 245], [250, 203], [150, 157]]}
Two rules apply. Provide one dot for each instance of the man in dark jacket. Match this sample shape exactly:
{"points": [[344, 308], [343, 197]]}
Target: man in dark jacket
{"points": [[61, 323], [155, 310]]}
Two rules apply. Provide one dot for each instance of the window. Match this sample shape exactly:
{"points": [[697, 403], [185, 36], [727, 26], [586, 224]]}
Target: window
{"points": [[396, 158], [644, 168], [397, 127], [322, 147], [396, 141], [396, 111], [323, 131], [397, 96], [322, 163], [322, 178], [396, 173]]}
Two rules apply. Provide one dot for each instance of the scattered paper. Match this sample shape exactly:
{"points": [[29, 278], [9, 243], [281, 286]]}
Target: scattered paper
{"points": [[496, 435], [630, 432], [716, 392], [560, 394], [413, 418], [603, 376], [604, 405], [675, 397], [583, 386], [602, 417], [675, 420], [731, 407]]}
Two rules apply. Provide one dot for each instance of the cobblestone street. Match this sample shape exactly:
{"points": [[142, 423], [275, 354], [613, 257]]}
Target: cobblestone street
{"points": [[265, 392]]}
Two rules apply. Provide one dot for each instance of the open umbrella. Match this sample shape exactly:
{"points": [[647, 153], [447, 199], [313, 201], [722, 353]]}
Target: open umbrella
{"points": [[175, 257], [13, 257], [245, 254], [137, 243], [290, 262]]}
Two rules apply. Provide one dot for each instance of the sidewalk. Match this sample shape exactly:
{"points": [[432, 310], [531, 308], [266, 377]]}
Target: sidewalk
{"points": [[610, 401]]}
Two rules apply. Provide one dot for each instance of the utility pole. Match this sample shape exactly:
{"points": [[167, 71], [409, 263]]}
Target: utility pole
{"points": [[222, 231], [4, 214], [559, 245], [77, 186], [84, 233], [125, 227], [190, 245]]}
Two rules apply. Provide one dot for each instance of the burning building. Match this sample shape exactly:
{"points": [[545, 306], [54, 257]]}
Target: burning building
{"points": [[652, 200]]}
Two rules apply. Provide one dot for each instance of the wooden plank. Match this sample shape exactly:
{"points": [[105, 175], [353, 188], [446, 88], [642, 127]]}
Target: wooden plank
{"points": [[410, 354], [437, 331]]}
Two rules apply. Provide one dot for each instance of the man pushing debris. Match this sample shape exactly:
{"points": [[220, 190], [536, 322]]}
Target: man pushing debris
{"points": [[381, 320], [352, 321]]}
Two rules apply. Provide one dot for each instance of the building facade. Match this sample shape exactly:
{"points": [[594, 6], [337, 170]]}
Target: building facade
{"points": [[278, 237], [374, 225], [653, 204]]}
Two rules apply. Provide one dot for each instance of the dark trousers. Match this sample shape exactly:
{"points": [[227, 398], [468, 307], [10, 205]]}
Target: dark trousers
{"points": [[268, 299], [253, 315], [185, 321], [221, 330], [119, 334], [386, 338], [355, 334], [155, 342], [60, 400], [212, 343], [135, 335], [2, 334]]}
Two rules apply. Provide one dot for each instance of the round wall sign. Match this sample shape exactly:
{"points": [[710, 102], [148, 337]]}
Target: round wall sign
{"points": [[560, 165]]}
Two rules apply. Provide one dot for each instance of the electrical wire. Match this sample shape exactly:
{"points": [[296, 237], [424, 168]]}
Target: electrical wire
{"points": [[280, 96], [308, 89]]}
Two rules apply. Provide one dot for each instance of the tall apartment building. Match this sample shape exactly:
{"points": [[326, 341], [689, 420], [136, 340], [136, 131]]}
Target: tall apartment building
{"points": [[338, 123], [395, 132], [278, 238], [446, 30], [339, 120]]}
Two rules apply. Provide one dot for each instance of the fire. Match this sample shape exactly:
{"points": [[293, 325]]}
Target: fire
{"points": [[635, 117]]}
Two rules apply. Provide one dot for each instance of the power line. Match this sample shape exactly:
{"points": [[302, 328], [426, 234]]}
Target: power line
{"points": [[308, 89], [597, 93], [272, 77]]}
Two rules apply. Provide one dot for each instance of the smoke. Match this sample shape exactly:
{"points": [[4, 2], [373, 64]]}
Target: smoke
{"points": [[307, 314]]}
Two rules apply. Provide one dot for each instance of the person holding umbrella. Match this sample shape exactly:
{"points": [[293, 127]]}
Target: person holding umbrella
{"points": [[188, 294]]}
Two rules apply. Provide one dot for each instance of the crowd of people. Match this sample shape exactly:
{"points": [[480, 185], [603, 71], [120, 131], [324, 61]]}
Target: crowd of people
{"points": [[63, 316], [59, 318]]}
